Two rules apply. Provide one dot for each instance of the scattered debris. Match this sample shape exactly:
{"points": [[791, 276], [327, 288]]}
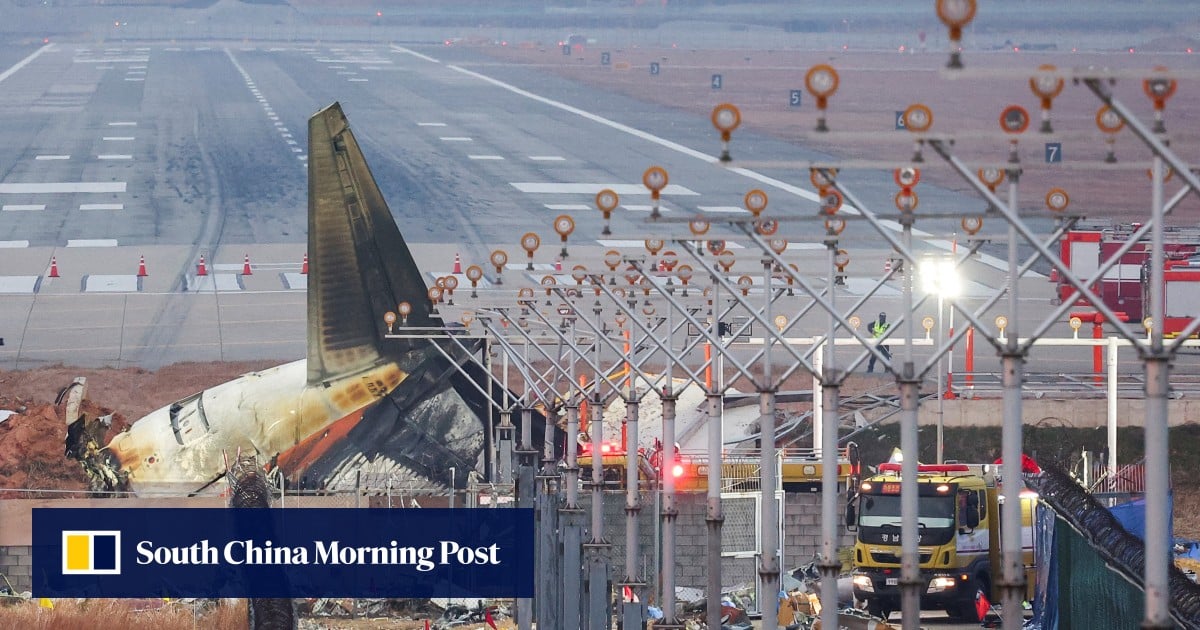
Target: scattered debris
{"points": [[459, 616]]}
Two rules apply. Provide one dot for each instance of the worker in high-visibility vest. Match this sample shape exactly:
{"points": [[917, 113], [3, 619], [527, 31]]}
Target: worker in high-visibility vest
{"points": [[878, 327]]}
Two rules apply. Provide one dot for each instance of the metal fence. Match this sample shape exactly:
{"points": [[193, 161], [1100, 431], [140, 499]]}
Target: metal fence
{"points": [[370, 491]]}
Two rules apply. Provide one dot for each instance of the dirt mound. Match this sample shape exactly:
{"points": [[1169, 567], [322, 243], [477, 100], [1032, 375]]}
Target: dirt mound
{"points": [[32, 441], [32, 445], [134, 391]]}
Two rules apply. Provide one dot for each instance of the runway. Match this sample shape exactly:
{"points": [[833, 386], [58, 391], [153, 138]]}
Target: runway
{"points": [[165, 152]]}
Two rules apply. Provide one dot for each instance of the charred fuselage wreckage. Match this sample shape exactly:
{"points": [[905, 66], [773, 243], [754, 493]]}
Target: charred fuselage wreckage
{"points": [[395, 408]]}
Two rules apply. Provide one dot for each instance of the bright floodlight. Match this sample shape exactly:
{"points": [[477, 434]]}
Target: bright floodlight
{"points": [[940, 277]]}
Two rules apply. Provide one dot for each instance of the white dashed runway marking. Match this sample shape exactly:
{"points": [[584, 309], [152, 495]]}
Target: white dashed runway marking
{"points": [[62, 187]]}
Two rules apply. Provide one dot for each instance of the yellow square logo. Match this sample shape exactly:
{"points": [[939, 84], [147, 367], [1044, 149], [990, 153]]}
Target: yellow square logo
{"points": [[91, 552]]}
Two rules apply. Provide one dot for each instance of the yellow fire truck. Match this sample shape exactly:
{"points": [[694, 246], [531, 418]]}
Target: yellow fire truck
{"points": [[959, 520]]}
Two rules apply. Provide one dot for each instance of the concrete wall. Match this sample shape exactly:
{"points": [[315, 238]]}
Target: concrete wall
{"points": [[801, 540], [1069, 412], [16, 564]]}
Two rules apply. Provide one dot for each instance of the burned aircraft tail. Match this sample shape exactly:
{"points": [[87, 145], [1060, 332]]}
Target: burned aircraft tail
{"points": [[361, 268]]}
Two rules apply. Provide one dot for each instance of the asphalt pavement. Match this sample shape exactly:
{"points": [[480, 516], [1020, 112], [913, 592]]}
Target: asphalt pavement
{"points": [[164, 152]]}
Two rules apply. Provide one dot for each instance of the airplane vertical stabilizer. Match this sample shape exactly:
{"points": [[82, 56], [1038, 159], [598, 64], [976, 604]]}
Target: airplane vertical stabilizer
{"points": [[360, 266]]}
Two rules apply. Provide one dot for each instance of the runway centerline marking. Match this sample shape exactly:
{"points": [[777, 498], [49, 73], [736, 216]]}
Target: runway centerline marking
{"points": [[118, 138], [23, 207], [568, 207], [547, 158], [101, 206], [122, 123], [52, 157], [431, 124], [92, 242], [486, 157], [455, 139], [114, 156]]}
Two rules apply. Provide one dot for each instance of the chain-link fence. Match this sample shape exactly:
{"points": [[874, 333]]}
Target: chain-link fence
{"points": [[740, 538]]}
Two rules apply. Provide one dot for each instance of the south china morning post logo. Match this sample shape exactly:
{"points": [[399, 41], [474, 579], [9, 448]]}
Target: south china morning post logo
{"points": [[87, 552], [297, 552]]}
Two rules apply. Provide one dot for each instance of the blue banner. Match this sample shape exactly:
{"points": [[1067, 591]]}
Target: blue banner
{"points": [[294, 552]]}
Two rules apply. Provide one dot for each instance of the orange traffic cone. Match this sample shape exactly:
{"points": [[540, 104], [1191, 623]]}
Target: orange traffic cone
{"points": [[53, 267], [142, 267], [304, 266], [457, 264], [201, 268], [246, 266]]}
